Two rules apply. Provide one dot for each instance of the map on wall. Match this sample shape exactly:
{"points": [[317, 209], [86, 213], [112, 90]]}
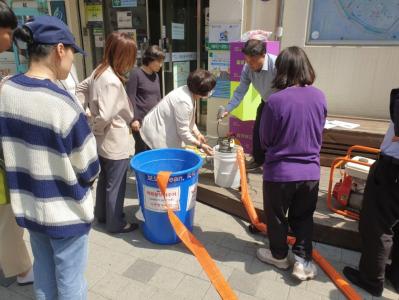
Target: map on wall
{"points": [[353, 22]]}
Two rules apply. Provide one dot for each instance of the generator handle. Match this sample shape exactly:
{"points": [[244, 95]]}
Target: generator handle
{"points": [[362, 149]]}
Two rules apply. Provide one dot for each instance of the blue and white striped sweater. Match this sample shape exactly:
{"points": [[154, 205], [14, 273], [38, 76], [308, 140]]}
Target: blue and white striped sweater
{"points": [[50, 156]]}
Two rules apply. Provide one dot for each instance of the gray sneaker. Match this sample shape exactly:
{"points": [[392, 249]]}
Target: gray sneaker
{"points": [[304, 271], [266, 256]]}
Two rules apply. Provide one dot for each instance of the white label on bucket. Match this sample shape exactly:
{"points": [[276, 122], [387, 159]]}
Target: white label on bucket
{"points": [[192, 196], [153, 199]]}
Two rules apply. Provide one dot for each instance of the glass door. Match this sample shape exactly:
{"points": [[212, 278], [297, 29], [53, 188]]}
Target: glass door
{"points": [[173, 26]]}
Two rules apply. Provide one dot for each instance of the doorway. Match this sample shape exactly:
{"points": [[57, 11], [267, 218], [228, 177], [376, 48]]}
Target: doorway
{"points": [[172, 24]]}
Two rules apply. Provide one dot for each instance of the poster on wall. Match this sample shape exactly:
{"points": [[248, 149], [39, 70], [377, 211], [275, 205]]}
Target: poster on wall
{"points": [[181, 70], [124, 3], [224, 33], [219, 66], [57, 9], [124, 19], [94, 13], [177, 31]]}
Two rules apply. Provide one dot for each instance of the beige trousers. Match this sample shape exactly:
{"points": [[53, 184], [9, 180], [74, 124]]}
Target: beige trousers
{"points": [[14, 257]]}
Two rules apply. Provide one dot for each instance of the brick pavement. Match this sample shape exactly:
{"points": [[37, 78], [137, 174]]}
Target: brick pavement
{"points": [[127, 266]]}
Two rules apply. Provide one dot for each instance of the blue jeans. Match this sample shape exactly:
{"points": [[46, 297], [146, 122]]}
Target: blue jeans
{"points": [[59, 266]]}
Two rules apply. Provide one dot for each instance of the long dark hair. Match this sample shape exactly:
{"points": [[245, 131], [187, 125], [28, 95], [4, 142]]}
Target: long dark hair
{"points": [[293, 68]]}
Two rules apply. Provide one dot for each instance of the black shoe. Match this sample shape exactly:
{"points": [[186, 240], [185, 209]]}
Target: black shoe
{"points": [[389, 277], [128, 228], [354, 276]]}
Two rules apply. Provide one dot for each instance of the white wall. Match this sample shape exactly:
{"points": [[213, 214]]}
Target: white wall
{"points": [[261, 15], [357, 80], [221, 12], [225, 11]]}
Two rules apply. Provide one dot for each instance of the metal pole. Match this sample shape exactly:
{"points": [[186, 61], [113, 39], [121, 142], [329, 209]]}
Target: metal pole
{"points": [[198, 34], [163, 69], [198, 112]]}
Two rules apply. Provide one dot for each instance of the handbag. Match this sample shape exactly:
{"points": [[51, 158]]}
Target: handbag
{"points": [[4, 192]]}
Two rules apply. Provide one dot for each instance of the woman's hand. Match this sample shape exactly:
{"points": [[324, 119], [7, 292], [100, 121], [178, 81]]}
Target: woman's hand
{"points": [[207, 149], [201, 139], [135, 126]]}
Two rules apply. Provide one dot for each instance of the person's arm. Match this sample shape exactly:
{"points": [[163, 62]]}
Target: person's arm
{"points": [[83, 152], [241, 90], [83, 93], [267, 129], [131, 89], [394, 109], [107, 107]]}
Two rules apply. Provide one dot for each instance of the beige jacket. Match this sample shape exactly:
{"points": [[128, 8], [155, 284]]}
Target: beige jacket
{"points": [[111, 113], [171, 123]]}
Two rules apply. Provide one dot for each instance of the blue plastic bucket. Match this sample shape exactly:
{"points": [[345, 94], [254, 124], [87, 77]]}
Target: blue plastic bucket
{"points": [[181, 193]]}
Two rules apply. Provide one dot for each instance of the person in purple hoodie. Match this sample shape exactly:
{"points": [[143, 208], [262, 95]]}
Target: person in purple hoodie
{"points": [[291, 134]]}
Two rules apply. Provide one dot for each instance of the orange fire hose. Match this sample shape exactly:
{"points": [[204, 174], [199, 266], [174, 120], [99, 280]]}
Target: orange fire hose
{"points": [[338, 280], [195, 246]]}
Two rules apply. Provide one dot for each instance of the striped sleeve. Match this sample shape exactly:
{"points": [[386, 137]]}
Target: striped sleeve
{"points": [[83, 151]]}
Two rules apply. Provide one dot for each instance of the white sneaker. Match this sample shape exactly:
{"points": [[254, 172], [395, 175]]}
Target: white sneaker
{"points": [[27, 279], [304, 271], [266, 256]]}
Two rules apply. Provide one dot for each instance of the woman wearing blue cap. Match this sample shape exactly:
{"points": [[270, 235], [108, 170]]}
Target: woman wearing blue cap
{"points": [[51, 160]]}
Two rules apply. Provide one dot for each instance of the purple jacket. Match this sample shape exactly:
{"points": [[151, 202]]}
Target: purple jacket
{"points": [[291, 133]]}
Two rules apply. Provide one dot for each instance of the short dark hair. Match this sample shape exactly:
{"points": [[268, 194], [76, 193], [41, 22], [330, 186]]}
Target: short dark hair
{"points": [[201, 82], [7, 17], [151, 54], [293, 68], [254, 48]]}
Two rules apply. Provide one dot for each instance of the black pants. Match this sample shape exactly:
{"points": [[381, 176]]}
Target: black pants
{"points": [[378, 221], [299, 199], [257, 152], [110, 196], [140, 146]]}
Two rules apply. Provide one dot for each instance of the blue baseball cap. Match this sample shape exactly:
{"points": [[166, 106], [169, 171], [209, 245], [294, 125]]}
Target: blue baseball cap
{"points": [[50, 30]]}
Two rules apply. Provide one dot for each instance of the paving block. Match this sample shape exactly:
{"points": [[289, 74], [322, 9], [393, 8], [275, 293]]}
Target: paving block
{"points": [[111, 285], [298, 293], [273, 290], [212, 294], [94, 296], [26, 291], [351, 258], [94, 274], [8, 294], [238, 260], [243, 296], [244, 282], [137, 290], [192, 288], [166, 278], [189, 265], [168, 257], [142, 270]]}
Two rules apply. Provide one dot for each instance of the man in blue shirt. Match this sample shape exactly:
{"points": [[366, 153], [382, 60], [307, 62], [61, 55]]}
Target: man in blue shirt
{"points": [[259, 70], [379, 221]]}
